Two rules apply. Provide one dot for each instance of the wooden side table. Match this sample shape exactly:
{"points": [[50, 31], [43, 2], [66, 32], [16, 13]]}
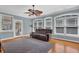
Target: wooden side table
{"points": [[1, 49]]}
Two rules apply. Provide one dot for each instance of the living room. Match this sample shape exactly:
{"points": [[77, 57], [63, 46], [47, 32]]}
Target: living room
{"points": [[53, 30]]}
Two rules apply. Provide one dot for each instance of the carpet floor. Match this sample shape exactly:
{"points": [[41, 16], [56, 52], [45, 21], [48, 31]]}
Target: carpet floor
{"points": [[29, 45]]}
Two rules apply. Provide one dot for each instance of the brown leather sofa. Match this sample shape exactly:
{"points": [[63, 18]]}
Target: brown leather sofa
{"points": [[41, 34]]}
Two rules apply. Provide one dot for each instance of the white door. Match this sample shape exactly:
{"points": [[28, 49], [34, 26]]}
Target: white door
{"points": [[18, 27]]}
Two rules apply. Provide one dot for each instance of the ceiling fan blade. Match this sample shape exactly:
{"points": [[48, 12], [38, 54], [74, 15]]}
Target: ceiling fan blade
{"points": [[37, 12]]}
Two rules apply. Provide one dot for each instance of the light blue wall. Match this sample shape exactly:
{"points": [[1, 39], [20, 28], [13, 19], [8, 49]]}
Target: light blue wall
{"points": [[26, 26], [6, 35]]}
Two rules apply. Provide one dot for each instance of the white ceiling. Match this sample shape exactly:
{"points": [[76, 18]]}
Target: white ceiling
{"points": [[20, 9]]}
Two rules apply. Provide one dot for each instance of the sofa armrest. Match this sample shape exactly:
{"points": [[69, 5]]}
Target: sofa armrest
{"points": [[48, 35]]}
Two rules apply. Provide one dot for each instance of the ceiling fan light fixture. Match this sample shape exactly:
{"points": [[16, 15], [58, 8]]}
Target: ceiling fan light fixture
{"points": [[33, 5], [34, 12]]}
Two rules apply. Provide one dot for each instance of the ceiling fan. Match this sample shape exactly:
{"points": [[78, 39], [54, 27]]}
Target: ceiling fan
{"points": [[32, 12]]}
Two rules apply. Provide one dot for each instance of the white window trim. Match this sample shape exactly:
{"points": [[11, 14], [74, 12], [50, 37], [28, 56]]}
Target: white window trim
{"points": [[12, 24], [65, 25], [45, 22], [34, 25], [40, 20], [37, 23]]}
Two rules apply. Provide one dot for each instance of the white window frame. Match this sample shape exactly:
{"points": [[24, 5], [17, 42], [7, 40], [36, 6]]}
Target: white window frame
{"points": [[34, 25], [40, 20], [65, 25], [37, 21], [2, 24], [50, 21]]}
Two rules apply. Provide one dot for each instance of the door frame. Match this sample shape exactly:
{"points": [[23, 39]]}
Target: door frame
{"points": [[15, 25]]}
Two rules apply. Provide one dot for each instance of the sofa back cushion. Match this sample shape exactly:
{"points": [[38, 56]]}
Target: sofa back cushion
{"points": [[43, 31]]}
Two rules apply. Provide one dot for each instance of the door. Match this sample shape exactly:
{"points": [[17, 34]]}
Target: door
{"points": [[18, 28]]}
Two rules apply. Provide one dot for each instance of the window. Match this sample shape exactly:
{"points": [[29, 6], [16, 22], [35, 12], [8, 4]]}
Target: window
{"points": [[72, 22], [59, 29], [59, 25], [48, 27], [71, 25], [59, 22], [7, 23], [40, 24], [72, 30], [35, 25], [48, 23], [66, 24]]}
